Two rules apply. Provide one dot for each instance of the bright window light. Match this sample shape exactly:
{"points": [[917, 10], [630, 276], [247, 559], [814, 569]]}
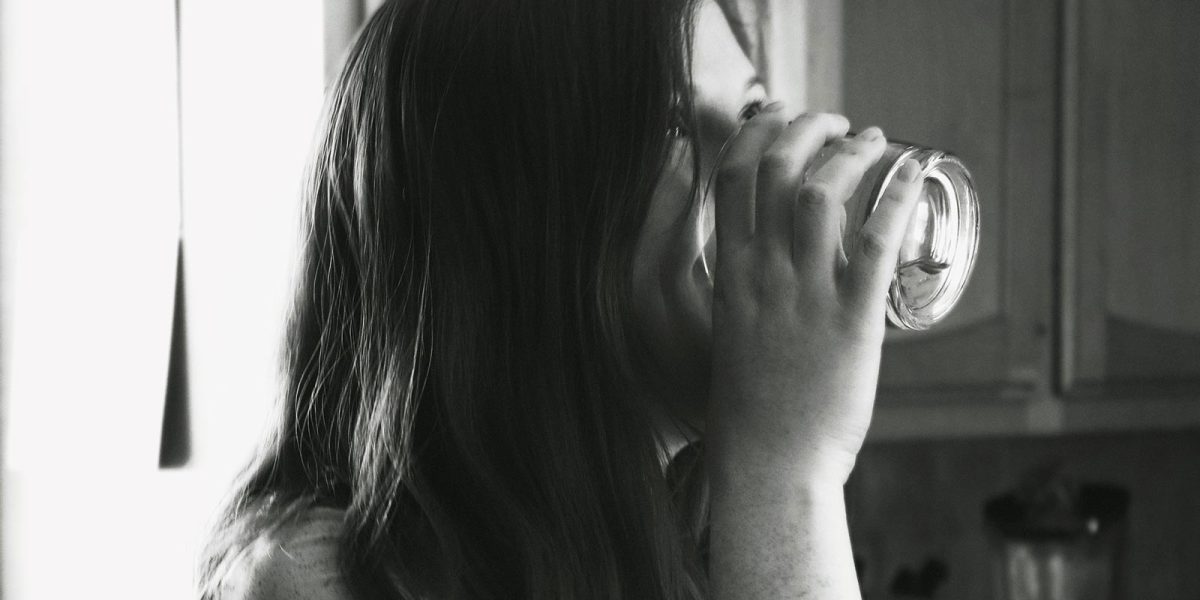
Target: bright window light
{"points": [[110, 141]]}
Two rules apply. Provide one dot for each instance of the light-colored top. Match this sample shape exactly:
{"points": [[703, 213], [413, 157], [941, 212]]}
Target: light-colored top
{"points": [[297, 561]]}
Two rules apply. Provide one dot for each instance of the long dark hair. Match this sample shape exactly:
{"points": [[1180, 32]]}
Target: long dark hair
{"points": [[458, 358]]}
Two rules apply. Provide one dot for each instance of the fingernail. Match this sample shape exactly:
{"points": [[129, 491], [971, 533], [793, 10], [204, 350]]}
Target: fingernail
{"points": [[870, 133], [909, 171]]}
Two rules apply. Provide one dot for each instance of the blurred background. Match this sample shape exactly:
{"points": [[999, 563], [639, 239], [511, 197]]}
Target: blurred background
{"points": [[150, 159]]}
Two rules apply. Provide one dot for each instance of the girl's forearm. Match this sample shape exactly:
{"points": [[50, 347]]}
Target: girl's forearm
{"points": [[773, 537]]}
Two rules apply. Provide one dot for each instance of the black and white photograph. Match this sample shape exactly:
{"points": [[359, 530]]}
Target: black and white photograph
{"points": [[600, 299]]}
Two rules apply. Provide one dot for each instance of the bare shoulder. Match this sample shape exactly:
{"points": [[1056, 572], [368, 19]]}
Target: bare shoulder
{"points": [[298, 560]]}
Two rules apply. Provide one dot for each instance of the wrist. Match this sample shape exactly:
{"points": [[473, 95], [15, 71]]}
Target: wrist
{"points": [[798, 470], [810, 436]]}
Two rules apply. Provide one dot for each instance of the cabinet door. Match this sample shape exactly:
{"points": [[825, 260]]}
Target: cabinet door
{"points": [[1131, 268], [977, 78]]}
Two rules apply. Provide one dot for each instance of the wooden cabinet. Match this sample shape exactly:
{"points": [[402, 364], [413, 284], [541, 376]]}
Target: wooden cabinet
{"points": [[1080, 122], [1131, 310], [976, 78]]}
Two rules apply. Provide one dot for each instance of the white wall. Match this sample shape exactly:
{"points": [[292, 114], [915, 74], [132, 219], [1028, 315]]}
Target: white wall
{"points": [[252, 78], [91, 190], [91, 217]]}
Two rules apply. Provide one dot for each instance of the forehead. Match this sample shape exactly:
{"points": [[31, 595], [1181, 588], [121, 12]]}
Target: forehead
{"points": [[721, 72]]}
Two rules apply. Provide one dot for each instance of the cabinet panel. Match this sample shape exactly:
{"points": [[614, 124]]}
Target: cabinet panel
{"points": [[932, 73], [1133, 309], [977, 78]]}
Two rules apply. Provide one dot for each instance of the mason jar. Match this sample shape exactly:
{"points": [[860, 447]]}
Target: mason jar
{"points": [[938, 251]]}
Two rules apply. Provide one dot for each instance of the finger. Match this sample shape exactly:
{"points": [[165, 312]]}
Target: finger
{"points": [[781, 172], [735, 184], [818, 212], [877, 244]]}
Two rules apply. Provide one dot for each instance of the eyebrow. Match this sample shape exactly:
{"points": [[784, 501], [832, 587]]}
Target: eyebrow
{"points": [[753, 81]]}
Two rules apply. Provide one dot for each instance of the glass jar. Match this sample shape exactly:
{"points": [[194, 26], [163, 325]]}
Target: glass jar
{"points": [[938, 251]]}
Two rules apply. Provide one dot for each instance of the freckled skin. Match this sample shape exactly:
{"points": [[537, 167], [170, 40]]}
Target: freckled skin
{"points": [[792, 333]]}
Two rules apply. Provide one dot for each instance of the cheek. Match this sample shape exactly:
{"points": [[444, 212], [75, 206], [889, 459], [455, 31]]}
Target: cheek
{"points": [[671, 291], [713, 129], [670, 205], [653, 244]]}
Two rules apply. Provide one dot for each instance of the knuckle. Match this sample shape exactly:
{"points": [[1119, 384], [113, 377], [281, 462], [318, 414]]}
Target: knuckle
{"points": [[864, 150], [836, 124], [777, 162], [831, 120], [872, 244], [844, 164], [900, 193], [837, 119], [814, 196], [863, 145], [895, 195], [822, 120], [732, 171], [805, 119], [766, 121], [851, 148]]}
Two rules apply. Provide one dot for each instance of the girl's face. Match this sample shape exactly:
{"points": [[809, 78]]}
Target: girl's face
{"points": [[672, 290]]}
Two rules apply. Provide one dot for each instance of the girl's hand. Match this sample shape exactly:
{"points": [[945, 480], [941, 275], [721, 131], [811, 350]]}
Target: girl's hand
{"points": [[798, 321]]}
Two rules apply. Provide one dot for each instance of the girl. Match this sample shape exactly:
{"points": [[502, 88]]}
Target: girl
{"points": [[503, 327]]}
